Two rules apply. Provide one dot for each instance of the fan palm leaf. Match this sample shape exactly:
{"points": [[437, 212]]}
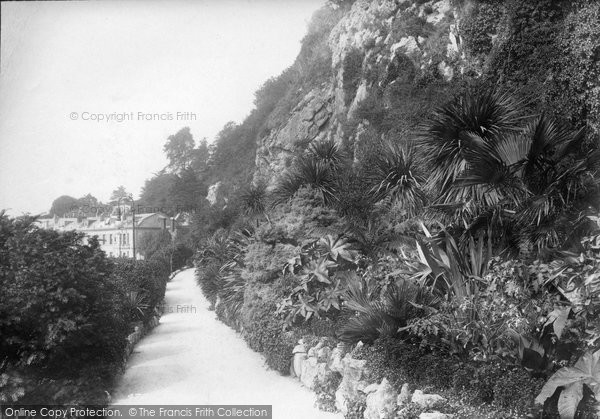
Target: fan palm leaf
{"points": [[467, 122]]}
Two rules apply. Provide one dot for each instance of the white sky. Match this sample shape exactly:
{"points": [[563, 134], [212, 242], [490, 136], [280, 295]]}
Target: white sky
{"points": [[204, 57]]}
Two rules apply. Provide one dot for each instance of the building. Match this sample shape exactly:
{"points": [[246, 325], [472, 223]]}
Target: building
{"points": [[115, 232]]}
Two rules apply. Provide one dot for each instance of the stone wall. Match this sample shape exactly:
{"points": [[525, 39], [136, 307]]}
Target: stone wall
{"points": [[313, 367]]}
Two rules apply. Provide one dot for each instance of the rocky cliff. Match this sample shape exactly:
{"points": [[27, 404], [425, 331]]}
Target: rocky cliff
{"points": [[373, 69], [371, 46], [386, 56]]}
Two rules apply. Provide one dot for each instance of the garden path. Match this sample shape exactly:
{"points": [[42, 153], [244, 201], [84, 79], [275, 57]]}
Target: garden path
{"points": [[192, 358]]}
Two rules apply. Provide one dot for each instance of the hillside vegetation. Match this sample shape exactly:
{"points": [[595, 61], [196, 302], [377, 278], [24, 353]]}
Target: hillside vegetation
{"points": [[422, 179]]}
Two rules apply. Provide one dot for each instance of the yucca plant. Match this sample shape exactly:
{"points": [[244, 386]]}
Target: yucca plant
{"points": [[253, 201], [231, 293], [307, 171], [327, 152], [137, 304], [453, 272], [317, 168], [394, 177]]}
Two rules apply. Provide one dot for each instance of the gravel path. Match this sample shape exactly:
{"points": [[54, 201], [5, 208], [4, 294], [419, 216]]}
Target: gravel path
{"points": [[192, 358]]}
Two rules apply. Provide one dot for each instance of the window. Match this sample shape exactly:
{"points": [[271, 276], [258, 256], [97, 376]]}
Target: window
{"points": [[103, 239], [110, 239]]}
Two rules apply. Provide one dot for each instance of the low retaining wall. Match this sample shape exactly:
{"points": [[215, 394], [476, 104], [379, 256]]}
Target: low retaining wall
{"points": [[314, 366], [140, 331]]}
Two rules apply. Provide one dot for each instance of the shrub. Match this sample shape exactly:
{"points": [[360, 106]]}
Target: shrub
{"points": [[479, 25], [516, 390], [380, 311], [146, 280], [61, 311], [208, 278], [263, 330], [352, 69]]}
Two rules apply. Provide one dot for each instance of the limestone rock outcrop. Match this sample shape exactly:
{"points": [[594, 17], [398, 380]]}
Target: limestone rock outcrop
{"points": [[381, 403], [427, 401]]}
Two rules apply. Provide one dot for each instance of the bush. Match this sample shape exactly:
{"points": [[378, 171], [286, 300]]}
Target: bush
{"points": [[62, 314], [144, 283], [507, 387], [479, 25], [263, 330], [515, 389], [351, 71]]}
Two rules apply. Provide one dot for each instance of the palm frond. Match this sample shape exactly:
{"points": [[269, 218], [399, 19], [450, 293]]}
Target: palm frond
{"points": [[469, 120]]}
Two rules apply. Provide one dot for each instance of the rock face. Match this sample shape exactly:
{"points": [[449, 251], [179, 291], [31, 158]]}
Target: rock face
{"points": [[307, 122], [353, 382], [434, 415], [299, 356], [404, 397], [381, 403], [314, 368], [311, 366], [427, 401], [368, 40]]}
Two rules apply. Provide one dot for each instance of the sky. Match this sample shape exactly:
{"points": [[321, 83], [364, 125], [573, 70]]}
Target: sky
{"points": [[91, 90]]}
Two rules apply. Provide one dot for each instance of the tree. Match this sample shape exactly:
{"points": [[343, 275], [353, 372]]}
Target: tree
{"points": [[156, 193], [89, 200], [469, 120], [186, 191], [180, 150], [200, 157], [119, 193], [63, 205], [152, 242]]}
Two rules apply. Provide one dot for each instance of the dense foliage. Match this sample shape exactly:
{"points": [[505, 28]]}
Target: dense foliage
{"points": [[448, 218], [499, 181], [65, 313]]}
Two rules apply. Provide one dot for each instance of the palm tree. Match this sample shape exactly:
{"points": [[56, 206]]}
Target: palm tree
{"points": [[470, 122], [543, 180], [535, 181]]}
